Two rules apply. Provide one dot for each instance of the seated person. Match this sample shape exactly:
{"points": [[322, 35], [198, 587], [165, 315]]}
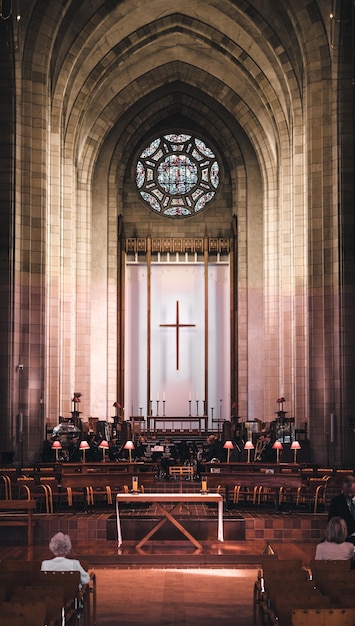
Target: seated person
{"points": [[334, 547], [343, 505], [60, 546]]}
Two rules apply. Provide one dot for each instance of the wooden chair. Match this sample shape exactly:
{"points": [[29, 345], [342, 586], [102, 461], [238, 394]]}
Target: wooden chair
{"points": [[313, 493], [28, 612], [323, 617], [284, 604], [6, 490]]}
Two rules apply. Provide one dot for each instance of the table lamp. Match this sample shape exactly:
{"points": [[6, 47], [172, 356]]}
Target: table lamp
{"points": [[229, 446], [295, 445], [277, 446], [56, 445], [249, 446], [104, 446], [129, 445], [83, 447]]}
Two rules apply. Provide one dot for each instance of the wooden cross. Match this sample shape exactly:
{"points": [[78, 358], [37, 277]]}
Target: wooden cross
{"points": [[177, 325]]}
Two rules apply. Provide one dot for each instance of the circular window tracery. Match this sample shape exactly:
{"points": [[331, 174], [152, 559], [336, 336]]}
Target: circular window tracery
{"points": [[177, 175]]}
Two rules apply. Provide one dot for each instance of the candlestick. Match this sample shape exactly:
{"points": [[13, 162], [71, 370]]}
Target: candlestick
{"points": [[157, 408], [140, 411], [163, 408], [196, 407], [189, 408], [212, 407], [151, 407], [220, 409]]}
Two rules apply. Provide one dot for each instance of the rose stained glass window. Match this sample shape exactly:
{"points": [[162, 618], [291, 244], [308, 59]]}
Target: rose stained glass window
{"points": [[177, 175]]}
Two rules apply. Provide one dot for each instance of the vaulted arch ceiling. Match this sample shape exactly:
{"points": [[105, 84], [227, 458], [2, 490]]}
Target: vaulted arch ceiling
{"points": [[111, 61]]}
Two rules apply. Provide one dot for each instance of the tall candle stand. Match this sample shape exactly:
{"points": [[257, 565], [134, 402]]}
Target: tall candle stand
{"points": [[163, 408], [197, 407], [157, 408], [220, 409], [189, 408], [212, 407]]}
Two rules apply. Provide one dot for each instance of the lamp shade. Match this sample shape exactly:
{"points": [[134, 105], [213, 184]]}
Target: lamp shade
{"points": [[84, 446], [277, 446], [249, 446], [295, 445], [104, 446], [129, 445], [229, 446], [56, 445]]}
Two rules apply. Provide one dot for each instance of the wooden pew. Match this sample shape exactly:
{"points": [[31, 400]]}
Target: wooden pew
{"points": [[16, 506]]}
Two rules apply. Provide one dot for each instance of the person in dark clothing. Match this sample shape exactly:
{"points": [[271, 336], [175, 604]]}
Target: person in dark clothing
{"points": [[343, 505]]}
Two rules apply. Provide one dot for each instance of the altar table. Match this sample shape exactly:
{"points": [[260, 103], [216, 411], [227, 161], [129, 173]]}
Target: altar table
{"points": [[176, 499]]}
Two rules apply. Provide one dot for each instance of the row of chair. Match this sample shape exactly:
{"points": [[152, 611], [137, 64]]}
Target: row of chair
{"points": [[312, 494], [45, 598], [287, 594]]}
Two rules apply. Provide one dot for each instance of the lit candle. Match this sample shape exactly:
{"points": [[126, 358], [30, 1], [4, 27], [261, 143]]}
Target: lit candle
{"points": [[204, 484], [190, 395], [135, 484]]}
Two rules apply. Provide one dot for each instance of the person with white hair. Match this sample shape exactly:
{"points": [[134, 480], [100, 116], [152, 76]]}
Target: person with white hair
{"points": [[60, 546]]}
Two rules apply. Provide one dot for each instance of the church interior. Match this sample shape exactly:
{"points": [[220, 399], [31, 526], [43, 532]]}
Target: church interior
{"points": [[177, 282]]}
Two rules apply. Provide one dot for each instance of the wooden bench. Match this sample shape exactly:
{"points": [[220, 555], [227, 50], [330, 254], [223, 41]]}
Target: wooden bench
{"points": [[19, 520]]}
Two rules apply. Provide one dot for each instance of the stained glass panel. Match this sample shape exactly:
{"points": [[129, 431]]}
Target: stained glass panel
{"points": [[177, 175]]}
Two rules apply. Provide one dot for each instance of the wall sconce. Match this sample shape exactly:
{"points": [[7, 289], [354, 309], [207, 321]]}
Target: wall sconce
{"points": [[249, 446]]}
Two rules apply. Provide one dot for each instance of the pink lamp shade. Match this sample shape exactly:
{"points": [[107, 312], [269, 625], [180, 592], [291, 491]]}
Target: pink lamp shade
{"points": [[295, 445], [104, 446], [277, 446], [249, 446], [129, 445], [229, 446], [56, 445], [84, 446]]}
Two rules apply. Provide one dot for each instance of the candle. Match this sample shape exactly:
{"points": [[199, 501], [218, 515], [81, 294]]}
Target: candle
{"points": [[190, 395], [196, 396], [135, 484], [163, 396], [204, 485], [157, 396]]}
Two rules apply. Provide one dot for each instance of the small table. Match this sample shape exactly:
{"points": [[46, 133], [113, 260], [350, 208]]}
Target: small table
{"points": [[161, 499]]}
